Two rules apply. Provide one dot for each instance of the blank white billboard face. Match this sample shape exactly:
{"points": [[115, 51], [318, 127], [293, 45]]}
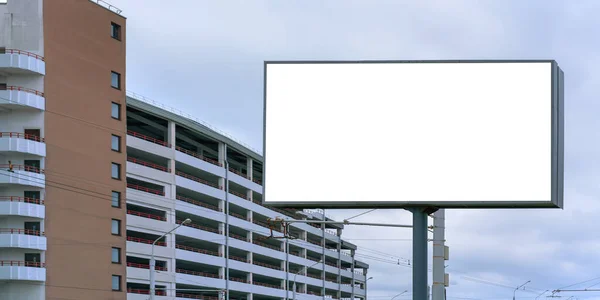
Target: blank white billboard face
{"points": [[400, 134]]}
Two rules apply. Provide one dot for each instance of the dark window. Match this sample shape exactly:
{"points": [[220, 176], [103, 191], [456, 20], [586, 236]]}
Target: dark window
{"points": [[115, 31], [33, 260], [115, 80], [116, 171], [115, 143], [116, 227], [32, 165], [116, 199], [31, 195], [116, 282], [32, 228], [115, 111], [116, 255]]}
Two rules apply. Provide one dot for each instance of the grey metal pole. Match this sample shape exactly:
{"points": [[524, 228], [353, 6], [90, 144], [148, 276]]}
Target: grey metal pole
{"points": [[153, 261], [287, 268], [226, 229], [419, 254], [439, 272], [294, 287]]}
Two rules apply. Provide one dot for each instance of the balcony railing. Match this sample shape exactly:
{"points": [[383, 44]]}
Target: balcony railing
{"points": [[263, 224], [144, 266], [22, 199], [201, 227], [145, 241], [145, 189], [145, 215], [315, 243], [148, 138], [267, 265], [314, 276], [197, 250], [198, 203], [200, 180], [23, 89], [238, 237], [331, 264], [267, 285], [198, 156], [15, 263], [241, 195], [197, 273], [22, 52], [21, 231], [238, 279], [22, 168], [146, 292], [201, 297], [266, 245], [108, 6], [232, 170], [257, 181], [239, 258], [148, 164], [238, 216]]}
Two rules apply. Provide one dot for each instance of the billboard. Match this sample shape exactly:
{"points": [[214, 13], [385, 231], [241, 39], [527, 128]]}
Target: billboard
{"points": [[399, 134]]}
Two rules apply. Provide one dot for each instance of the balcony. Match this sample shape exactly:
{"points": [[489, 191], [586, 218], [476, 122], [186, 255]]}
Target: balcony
{"points": [[198, 203], [22, 238], [198, 184], [22, 270], [22, 206], [145, 189], [23, 175], [148, 144], [14, 61], [15, 97], [22, 143]]}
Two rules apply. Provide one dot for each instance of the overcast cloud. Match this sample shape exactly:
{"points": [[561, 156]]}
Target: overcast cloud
{"points": [[206, 57]]}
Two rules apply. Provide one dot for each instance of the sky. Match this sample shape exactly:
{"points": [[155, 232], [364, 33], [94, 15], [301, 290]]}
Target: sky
{"points": [[206, 57]]}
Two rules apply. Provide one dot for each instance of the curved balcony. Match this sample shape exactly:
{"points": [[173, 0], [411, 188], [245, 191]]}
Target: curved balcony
{"points": [[22, 143], [15, 61], [22, 238], [15, 97], [22, 270], [22, 175], [22, 206]]}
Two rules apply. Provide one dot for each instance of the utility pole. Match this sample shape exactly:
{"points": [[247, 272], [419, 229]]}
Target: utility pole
{"points": [[439, 255]]}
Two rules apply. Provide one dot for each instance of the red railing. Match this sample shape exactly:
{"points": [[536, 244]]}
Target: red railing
{"points": [[145, 241], [331, 280], [21, 52], [23, 168], [205, 228], [331, 264], [315, 243], [263, 224], [196, 202], [197, 250], [239, 258], [148, 138], [266, 245], [145, 215], [312, 258], [267, 285], [196, 273], [14, 263], [23, 89], [22, 199], [192, 296], [239, 194], [145, 189], [238, 280], [194, 178], [238, 237], [267, 265], [146, 292], [314, 276], [257, 181], [21, 231], [196, 155], [148, 164], [237, 216], [144, 266], [232, 170]]}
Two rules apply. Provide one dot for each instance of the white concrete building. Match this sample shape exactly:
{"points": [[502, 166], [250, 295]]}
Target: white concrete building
{"points": [[176, 170]]}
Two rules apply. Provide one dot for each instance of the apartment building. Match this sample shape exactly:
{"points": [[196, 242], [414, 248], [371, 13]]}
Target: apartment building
{"points": [[90, 178], [62, 70], [177, 169]]}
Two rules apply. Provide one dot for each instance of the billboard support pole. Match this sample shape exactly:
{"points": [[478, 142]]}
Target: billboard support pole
{"points": [[419, 284]]}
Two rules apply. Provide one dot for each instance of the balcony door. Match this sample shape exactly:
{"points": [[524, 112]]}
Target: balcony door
{"points": [[32, 228], [32, 134], [32, 259], [32, 165]]}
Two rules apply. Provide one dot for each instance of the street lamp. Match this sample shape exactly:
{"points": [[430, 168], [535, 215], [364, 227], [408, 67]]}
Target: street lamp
{"points": [[541, 294], [294, 285], [522, 285], [399, 294], [153, 262]]}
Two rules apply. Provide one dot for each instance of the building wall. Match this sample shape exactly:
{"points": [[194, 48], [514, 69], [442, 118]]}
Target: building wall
{"points": [[80, 54]]}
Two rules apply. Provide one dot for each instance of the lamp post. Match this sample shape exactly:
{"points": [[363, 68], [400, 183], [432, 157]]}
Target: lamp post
{"points": [[294, 285], [541, 294], [522, 285], [366, 285], [153, 262], [399, 294]]}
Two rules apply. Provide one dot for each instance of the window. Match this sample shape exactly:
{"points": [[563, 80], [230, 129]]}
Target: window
{"points": [[116, 227], [115, 31], [116, 282], [115, 143], [116, 255], [115, 111], [115, 80], [116, 171], [116, 199]]}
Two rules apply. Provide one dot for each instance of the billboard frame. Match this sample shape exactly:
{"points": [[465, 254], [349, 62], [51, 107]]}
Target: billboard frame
{"points": [[557, 145]]}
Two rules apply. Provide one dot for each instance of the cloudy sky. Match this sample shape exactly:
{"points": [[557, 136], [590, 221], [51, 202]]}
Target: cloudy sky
{"points": [[206, 57]]}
